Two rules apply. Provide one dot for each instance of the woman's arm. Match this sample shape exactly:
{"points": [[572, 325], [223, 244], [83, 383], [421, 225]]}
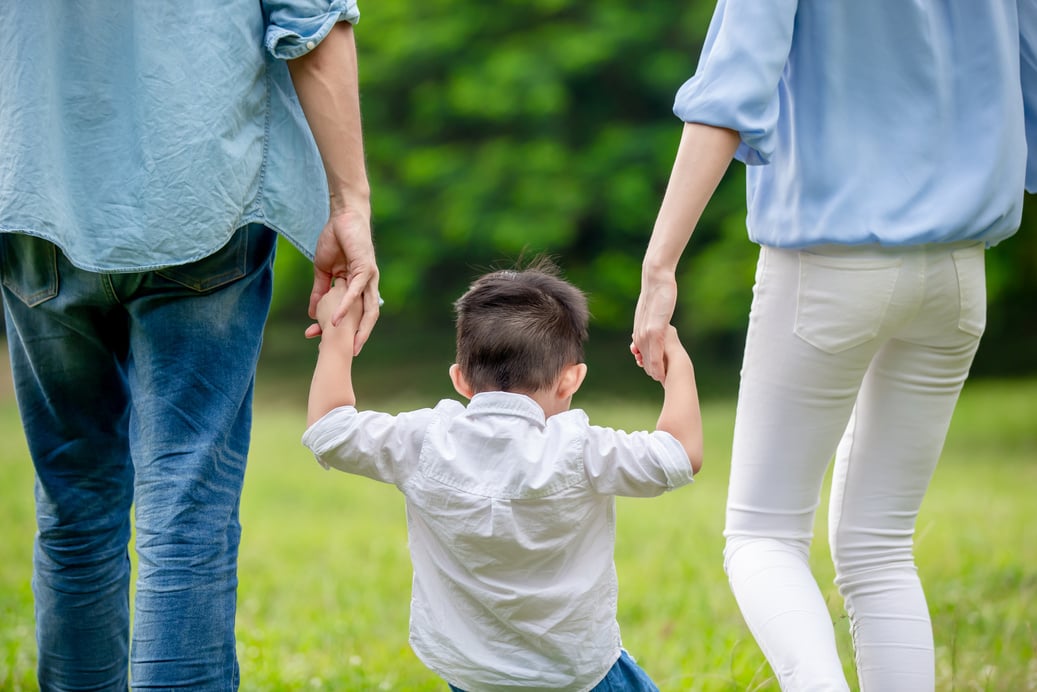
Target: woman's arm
{"points": [[702, 159]]}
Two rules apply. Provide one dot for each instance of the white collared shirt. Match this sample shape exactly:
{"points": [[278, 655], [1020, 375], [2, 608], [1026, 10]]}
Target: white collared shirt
{"points": [[511, 522]]}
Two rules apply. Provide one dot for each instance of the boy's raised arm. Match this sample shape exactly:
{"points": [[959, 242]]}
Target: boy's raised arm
{"points": [[680, 415], [332, 384]]}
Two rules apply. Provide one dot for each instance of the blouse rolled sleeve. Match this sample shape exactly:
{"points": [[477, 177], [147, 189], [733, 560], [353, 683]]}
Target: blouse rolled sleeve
{"points": [[736, 83], [295, 28]]}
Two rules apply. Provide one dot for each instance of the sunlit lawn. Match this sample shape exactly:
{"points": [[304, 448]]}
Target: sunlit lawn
{"points": [[325, 573]]}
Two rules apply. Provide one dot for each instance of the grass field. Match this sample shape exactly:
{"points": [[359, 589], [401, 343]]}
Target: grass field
{"points": [[325, 573]]}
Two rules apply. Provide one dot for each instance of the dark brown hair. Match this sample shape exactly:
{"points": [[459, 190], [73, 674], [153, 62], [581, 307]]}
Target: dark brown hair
{"points": [[517, 329]]}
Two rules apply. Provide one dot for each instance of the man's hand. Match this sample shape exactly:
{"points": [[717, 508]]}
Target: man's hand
{"points": [[345, 251], [326, 82], [328, 308]]}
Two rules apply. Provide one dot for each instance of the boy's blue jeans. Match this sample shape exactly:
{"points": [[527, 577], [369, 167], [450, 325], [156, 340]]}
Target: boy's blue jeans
{"points": [[624, 676], [136, 389]]}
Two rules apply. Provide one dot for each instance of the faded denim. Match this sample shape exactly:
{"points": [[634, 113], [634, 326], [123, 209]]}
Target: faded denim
{"points": [[135, 389]]}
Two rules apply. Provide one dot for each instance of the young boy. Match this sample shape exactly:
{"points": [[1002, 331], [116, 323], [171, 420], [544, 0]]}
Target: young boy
{"points": [[510, 499]]}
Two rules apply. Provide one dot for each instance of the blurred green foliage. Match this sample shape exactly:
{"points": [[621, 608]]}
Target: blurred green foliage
{"points": [[496, 130]]}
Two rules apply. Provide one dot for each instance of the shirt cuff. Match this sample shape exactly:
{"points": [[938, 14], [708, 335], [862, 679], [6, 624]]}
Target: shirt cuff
{"points": [[289, 36], [323, 434], [674, 459], [756, 129]]}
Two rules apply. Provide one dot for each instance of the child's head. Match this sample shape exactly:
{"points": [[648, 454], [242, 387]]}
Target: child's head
{"points": [[517, 330]]}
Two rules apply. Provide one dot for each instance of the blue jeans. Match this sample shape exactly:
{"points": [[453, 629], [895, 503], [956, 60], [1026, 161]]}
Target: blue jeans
{"points": [[135, 389], [624, 676]]}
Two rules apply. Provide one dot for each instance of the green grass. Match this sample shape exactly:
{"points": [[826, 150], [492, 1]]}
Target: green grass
{"points": [[325, 575]]}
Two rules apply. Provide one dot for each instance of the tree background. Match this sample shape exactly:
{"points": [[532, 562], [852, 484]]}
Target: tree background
{"points": [[506, 129]]}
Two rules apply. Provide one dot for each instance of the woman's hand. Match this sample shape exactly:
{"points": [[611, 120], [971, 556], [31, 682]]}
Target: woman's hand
{"points": [[652, 319]]}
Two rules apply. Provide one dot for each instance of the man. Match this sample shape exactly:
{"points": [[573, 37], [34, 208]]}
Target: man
{"points": [[151, 152]]}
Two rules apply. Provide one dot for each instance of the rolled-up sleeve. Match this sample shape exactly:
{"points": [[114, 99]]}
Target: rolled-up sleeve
{"points": [[377, 445], [295, 28], [637, 464], [736, 83]]}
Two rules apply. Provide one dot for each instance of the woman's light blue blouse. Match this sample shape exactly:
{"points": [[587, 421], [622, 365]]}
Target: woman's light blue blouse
{"points": [[136, 135], [887, 121]]}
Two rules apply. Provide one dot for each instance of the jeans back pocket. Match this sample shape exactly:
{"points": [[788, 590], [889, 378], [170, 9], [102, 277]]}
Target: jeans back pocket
{"points": [[249, 247], [29, 267]]}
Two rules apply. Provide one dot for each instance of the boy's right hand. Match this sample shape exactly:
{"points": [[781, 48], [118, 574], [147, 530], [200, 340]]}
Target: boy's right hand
{"points": [[327, 306]]}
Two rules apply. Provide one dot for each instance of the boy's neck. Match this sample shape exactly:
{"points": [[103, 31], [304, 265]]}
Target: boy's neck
{"points": [[552, 399]]}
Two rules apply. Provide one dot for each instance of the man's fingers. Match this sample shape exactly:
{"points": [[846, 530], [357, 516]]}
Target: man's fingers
{"points": [[352, 293], [321, 285], [368, 319]]}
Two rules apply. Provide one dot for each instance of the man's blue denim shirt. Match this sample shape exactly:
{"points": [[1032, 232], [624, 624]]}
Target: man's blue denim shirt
{"points": [[140, 135]]}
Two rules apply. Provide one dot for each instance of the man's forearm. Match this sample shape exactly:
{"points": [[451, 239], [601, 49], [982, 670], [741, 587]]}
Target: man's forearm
{"points": [[327, 84]]}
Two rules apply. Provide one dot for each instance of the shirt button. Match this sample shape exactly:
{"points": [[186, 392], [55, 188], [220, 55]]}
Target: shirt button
{"points": [[310, 45]]}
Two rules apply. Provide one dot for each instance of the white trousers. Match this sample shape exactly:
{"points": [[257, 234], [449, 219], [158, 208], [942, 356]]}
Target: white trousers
{"points": [[860, 353]]}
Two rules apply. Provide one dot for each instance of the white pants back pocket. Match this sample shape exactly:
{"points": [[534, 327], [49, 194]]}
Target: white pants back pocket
{"points": [[842, 301], [970, 266]]}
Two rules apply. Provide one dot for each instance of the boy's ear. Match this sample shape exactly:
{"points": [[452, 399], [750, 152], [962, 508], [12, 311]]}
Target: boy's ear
{"points": [[570, 379], [460, 383]]}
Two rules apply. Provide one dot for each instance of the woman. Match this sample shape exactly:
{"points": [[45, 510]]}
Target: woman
{"points": [[887, 148]]}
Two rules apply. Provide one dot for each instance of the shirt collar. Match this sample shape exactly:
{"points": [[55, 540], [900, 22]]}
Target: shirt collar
{"points": [[507, 403]]}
